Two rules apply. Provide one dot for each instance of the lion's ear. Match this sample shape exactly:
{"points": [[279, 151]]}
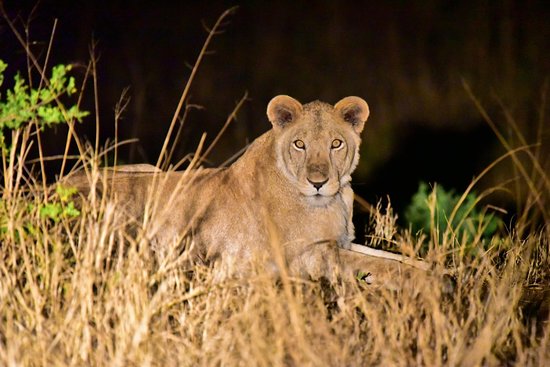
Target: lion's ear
{"points": [[353, 110], [283, 110]]}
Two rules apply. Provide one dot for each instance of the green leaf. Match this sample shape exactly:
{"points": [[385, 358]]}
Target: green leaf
{"points": [[65, 192], [3, 67], [51, 211], [70, 211], [49, 115]]}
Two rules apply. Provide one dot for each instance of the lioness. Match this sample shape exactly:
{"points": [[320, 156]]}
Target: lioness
{"points": [[286, 201]]}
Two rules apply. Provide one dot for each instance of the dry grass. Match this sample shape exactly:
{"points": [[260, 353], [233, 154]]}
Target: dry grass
{"points": [[84, 291], [87, 291]]}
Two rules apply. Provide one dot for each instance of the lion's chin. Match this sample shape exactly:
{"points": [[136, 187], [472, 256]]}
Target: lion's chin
{"points": [[319, 200]]}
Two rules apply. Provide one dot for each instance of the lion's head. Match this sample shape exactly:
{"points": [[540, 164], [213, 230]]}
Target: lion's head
{"points": [[317, 145]]}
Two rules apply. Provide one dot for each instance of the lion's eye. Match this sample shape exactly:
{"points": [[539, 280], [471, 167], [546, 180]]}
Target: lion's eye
{"points": [[336, 143], [298, 144]]}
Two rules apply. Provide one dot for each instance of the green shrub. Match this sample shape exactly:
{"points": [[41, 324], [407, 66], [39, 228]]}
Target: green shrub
{"points": [[430, 212], [24, 105], [62, 206]]}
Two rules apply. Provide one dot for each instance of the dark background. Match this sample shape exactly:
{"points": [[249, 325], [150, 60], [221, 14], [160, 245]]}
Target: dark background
{"points": [[407, 59]]}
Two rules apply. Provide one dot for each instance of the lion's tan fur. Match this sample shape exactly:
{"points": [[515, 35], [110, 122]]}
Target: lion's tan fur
{"points": [[266, 206]]}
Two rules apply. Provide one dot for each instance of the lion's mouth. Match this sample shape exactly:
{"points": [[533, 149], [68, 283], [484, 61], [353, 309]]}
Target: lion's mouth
{"points": [[319, 193]]}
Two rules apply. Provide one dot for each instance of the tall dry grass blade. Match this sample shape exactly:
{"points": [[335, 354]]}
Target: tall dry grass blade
{"points": [[120, 107], [71, 133], [37, 128], [212, 32], [182, 120], [534, 157], [232, 116], [93, 60], [517, 162], [48, 52]]}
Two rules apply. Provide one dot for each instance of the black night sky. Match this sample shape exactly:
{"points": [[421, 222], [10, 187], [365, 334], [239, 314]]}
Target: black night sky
{"points": [[407, 59]]}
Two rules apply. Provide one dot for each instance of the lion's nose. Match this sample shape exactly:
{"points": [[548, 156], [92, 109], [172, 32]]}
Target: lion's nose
{"points": [[318, 184]]}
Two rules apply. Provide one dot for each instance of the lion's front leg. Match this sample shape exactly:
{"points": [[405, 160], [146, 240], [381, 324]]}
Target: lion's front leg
{"points": [[377, 271]]}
